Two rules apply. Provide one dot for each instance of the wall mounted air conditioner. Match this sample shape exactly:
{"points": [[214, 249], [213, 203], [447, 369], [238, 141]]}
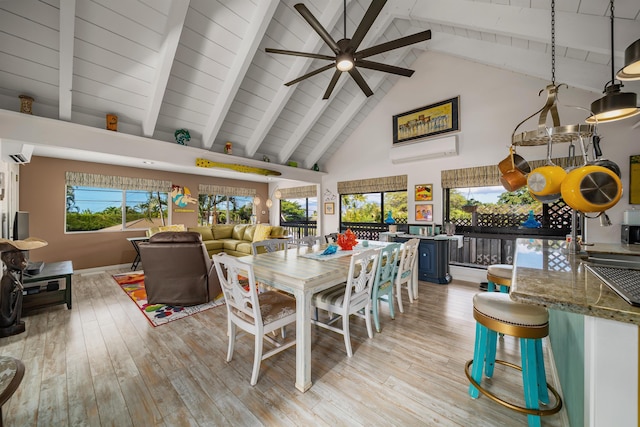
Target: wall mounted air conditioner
{"points": [[15, 151], [429, 149]]}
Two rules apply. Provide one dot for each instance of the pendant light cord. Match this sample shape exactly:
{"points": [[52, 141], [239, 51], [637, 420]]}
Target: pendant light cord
{"points": [[553, 42], [613, 73]]}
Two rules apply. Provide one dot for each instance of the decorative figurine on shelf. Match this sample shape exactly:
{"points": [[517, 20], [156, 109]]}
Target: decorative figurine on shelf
{"points": [[25, 104], [182, 136], [228, 148], [531, 222], [347, 240], [316, 167], [112, 122], [266, 158], [11, 284]]}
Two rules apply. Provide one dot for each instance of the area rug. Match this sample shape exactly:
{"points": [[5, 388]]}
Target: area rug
{"points": [[158, 314]]}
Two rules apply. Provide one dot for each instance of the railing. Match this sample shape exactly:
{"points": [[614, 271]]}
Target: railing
{"points": [[299, 229]]}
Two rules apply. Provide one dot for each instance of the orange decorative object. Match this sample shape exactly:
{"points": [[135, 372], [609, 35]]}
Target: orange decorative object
{"points": [[347, 240]]}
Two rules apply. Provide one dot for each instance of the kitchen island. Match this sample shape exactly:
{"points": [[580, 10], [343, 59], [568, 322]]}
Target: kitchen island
{"points": [[593, 332]]}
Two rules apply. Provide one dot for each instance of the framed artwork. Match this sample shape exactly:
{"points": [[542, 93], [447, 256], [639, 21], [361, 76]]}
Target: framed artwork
{"points": [[329, 208], [424, 213], [424, 193], [634, 180], [428, 121]]}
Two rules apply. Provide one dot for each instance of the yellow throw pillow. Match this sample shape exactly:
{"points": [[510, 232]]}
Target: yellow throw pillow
{"points": [[262, 232], [174, 227]]}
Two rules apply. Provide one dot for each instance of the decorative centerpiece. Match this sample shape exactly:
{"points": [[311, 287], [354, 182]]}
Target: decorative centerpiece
{"points": [[182, 136], [347, 240]]}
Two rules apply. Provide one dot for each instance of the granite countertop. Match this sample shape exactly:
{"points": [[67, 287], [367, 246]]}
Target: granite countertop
{"points": [[545, 273]]}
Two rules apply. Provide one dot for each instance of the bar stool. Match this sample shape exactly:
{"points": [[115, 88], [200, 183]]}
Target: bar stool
{"points": [[497, 313], [499, 274]]}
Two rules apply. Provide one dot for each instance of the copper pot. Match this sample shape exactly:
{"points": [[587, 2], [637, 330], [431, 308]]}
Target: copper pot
{"points": [[514, 161], [513, 180]]}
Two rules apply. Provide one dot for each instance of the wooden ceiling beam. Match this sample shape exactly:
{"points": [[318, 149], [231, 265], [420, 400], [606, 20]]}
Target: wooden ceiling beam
{"points": [[65, 70], [262, 16], [175, 23]]}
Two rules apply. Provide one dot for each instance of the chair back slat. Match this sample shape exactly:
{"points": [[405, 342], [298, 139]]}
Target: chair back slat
{"points": [[241, 295]]}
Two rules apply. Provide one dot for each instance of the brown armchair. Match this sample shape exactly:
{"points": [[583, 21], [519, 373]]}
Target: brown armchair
{"points": [[178, 270]]}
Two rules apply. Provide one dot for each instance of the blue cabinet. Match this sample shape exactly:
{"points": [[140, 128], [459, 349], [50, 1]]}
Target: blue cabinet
{"points": [[433, 260]]}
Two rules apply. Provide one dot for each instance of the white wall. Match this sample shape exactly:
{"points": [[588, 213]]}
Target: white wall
{"points": [[492, 103]]}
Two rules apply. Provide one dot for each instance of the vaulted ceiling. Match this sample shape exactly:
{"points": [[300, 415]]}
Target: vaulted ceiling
{"points": [[162, 65]]}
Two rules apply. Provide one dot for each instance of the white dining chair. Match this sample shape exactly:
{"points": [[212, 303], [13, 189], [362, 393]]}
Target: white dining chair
{"points": [[268, 245], [352, 297], [309, 241], [256, 313], [404, 276]]}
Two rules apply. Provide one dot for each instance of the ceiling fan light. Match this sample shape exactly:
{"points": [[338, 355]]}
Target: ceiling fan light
{"points": [[631, 69], [615, 105], [344, 62]]}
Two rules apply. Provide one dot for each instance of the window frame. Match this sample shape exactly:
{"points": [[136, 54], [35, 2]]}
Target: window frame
{"points": [[165, 206]]}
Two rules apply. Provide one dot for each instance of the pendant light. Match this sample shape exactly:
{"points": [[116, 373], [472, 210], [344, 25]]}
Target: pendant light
{"points": [[631, 69], [614, 105]]}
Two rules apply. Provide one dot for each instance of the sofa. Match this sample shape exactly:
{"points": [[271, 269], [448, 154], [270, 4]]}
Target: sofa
{"points": [[236, 239]]}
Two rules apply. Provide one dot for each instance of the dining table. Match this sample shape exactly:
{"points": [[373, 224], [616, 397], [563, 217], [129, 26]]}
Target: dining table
{"points": [[303, 272]]}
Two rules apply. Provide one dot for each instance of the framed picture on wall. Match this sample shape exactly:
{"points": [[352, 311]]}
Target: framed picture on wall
{"points": [[634, 180], [329, 208], [424, 212], [424, 193], [428, 121]]}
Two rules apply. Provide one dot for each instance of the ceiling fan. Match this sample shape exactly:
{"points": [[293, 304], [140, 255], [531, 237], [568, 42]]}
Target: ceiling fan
{"points": [[347, 57]]}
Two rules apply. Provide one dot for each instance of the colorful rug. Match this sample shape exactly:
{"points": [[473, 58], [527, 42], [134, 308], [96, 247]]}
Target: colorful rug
{"points": [[158, 314]]}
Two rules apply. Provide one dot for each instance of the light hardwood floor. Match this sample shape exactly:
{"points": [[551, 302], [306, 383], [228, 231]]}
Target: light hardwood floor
{"points": [[102, 364]]}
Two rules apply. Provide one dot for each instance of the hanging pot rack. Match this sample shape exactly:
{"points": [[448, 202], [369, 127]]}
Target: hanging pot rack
{"points": [[557, 133]]}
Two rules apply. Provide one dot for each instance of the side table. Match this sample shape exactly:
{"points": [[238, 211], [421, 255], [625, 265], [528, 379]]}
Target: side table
{"points": [[45, 298], [134, 242]]}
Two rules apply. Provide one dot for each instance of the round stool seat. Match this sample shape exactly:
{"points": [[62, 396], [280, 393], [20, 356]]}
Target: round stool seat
{"points": [[498, 312], [501, 270]]}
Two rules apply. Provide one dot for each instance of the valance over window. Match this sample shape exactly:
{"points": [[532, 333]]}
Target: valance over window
{"points": [[304, 192], [225, 190], [485, 176], [120, 182], [373, 185]]}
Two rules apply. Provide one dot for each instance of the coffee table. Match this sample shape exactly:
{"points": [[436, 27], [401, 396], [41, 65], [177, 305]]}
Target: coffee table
{"points": [[51, 271]]}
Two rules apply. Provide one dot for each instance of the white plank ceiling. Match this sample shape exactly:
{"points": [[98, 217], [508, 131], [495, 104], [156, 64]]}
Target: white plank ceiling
{"points": [[161, 65]]}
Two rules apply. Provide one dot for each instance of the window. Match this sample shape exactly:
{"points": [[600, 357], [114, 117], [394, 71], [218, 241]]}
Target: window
{"points": [[110, 209], [492, 207], [299, 216], [369, 207], [222, 209]]}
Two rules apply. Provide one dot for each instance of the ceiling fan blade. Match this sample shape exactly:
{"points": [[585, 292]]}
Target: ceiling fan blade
{"points": [[394, 44], [332, 84], [378, 66], [313, 73], [304, 54], [317, 26], [367, 21], [360, 80]]}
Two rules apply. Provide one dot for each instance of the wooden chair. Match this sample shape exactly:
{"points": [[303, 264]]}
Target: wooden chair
{"points": [[352, 297], [404, 275], [257, 314], [268, 245], [384, 280]]}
